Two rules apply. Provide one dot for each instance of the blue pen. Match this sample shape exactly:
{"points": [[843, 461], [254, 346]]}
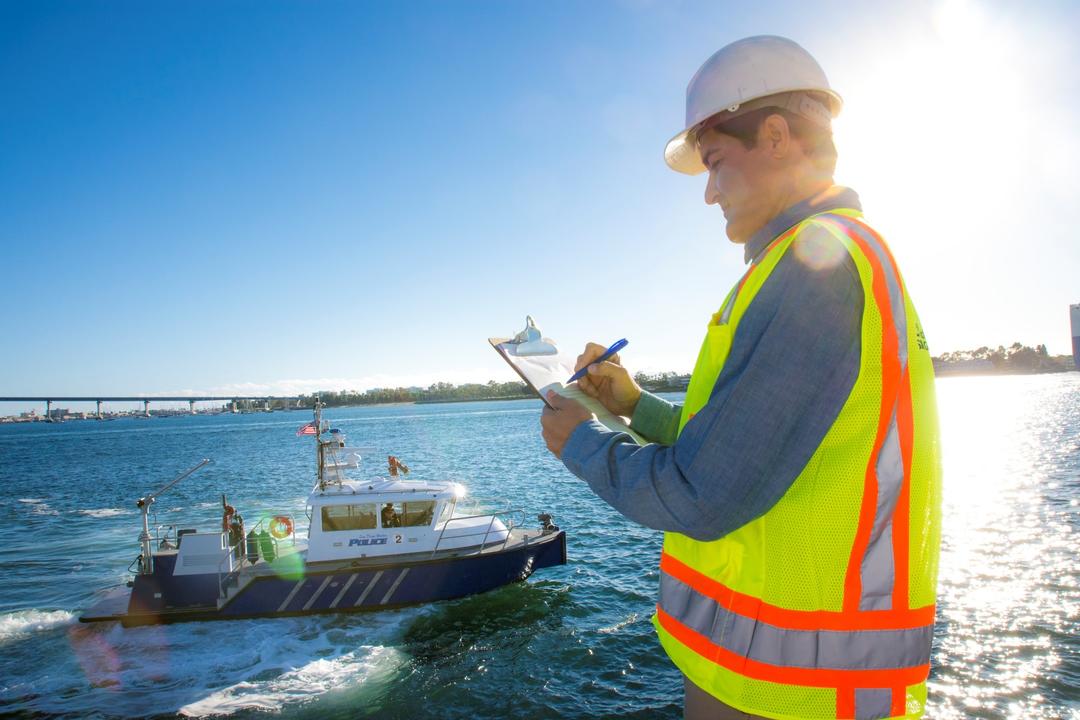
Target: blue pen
{"points": [[616, 347]]}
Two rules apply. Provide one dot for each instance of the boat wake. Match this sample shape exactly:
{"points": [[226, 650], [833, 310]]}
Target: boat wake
{"points": [[20, 624], [366, 665], [200, 669]]}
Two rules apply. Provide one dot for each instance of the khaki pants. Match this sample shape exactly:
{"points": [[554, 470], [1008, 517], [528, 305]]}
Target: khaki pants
{"points": [[700, 705]]}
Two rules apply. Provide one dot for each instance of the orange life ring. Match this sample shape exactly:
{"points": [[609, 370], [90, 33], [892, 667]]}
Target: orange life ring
{"points": [[281, 527]]}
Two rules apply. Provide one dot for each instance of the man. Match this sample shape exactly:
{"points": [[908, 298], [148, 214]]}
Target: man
{"points": [[798, 484], [390, 518]]}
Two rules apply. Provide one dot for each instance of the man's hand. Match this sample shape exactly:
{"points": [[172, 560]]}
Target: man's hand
{"points": [[608, 382], [560, 420]]}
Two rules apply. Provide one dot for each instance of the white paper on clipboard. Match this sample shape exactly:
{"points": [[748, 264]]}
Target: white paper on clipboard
{"points": [[550, 372]]}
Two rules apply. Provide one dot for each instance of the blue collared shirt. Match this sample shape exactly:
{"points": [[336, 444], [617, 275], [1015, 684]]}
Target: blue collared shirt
{"points": [[793, 361]]}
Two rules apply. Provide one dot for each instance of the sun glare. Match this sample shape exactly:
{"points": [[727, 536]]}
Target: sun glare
{"points": [[946, 134], [941, 119]]}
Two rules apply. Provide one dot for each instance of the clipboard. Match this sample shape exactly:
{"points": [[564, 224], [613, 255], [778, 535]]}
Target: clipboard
{"points": [[549, 372], [503, 347]]}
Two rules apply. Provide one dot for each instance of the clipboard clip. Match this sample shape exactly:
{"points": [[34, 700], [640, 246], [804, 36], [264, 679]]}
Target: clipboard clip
{"points": [[530, 341]]}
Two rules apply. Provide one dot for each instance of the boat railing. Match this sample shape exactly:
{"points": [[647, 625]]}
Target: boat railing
{"points": [[508, 518], [162, 541], [238, 552]]}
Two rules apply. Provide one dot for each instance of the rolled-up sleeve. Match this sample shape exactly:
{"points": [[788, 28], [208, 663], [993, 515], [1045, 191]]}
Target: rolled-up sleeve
{"points": [[656, 419], [793, 361]]}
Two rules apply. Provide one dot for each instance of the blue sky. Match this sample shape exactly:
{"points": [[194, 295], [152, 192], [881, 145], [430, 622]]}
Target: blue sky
{"points": [[281, 197]]}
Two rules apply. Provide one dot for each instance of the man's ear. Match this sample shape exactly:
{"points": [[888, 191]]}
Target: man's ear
{"points": [[775, 136]]}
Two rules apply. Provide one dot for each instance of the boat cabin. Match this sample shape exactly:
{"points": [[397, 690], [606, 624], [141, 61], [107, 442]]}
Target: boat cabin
{"points": [[393, 516]]}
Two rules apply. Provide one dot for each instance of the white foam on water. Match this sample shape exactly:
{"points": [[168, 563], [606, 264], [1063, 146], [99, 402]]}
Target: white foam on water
{"points": [[105, 512], [24, 623], [222, 668], [298, 685], [38, 506], [630, 620]]}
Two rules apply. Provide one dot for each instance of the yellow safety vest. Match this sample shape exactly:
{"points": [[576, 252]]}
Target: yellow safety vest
{"points": [[823, 607]]}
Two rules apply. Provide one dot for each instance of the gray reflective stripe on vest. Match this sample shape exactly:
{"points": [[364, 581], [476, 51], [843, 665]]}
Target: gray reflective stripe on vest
{"points": [[873, 703], [729, 305], [877, 569], [822, 649]]}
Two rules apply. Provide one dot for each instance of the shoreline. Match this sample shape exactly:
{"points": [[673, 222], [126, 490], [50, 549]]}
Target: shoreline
{"points": [[945, 372], [454, 400]]}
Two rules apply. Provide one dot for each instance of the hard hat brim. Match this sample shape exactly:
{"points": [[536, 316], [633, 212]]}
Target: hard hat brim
{"points": [[681, 153]]}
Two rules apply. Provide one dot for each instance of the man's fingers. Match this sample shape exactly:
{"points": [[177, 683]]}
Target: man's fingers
{"points": [[560, 403], [606, 369], [588, 386], [555, 401], [592, 352]]}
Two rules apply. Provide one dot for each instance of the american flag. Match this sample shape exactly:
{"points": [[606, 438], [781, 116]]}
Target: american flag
{"points": [[308, 429]]}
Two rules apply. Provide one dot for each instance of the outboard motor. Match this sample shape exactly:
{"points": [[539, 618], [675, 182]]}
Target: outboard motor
{"points": [[548, 526]]}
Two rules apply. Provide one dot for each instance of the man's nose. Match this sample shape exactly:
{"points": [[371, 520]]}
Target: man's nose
{"points": [[712, 195]]}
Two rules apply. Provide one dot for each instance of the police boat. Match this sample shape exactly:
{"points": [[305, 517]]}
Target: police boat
{"points": [[371, 544]]}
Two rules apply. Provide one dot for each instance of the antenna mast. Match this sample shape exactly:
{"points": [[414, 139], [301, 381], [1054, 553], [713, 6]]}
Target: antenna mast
{"points": [[319, 457]]}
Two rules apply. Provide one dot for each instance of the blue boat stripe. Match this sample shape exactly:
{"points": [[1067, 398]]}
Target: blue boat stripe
{"points": [[291, 595], [827, 649], [386, 597], [341, 593], [371, 584], [313, 598]]}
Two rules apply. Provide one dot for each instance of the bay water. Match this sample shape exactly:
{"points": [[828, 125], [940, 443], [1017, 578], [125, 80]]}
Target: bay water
{"points": [[573, 641]]}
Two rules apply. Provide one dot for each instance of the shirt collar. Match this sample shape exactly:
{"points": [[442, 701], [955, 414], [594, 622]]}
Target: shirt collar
{"points": [[834, 198]]}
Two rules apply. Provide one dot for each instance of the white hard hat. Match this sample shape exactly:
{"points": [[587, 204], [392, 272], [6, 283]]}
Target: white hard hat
{"points": [[760, 71]]}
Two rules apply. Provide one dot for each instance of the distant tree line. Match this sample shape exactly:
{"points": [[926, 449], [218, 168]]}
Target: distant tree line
{"points": [[1015, 359], [663, 382], [437, 392], [448, 392]]}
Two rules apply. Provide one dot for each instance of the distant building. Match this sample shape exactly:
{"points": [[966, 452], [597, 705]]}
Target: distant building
{"points": [[1074, 316]]}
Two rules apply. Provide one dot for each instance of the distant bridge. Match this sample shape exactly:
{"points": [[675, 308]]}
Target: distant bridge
{"points": [[189, 399]]}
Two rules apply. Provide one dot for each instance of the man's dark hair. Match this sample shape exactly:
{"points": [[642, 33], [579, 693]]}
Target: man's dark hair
{"points": [[816, 141]]}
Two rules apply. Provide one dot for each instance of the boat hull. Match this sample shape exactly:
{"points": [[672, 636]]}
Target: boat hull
{"points": [[337, 588]]}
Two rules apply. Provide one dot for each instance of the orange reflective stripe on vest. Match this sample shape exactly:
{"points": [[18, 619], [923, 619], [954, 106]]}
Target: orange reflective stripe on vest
{"points": [[879, 555]]}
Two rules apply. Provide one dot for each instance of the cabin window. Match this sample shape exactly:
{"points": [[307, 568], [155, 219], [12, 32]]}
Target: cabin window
{"points": [[408, 514], [348, 517]]}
